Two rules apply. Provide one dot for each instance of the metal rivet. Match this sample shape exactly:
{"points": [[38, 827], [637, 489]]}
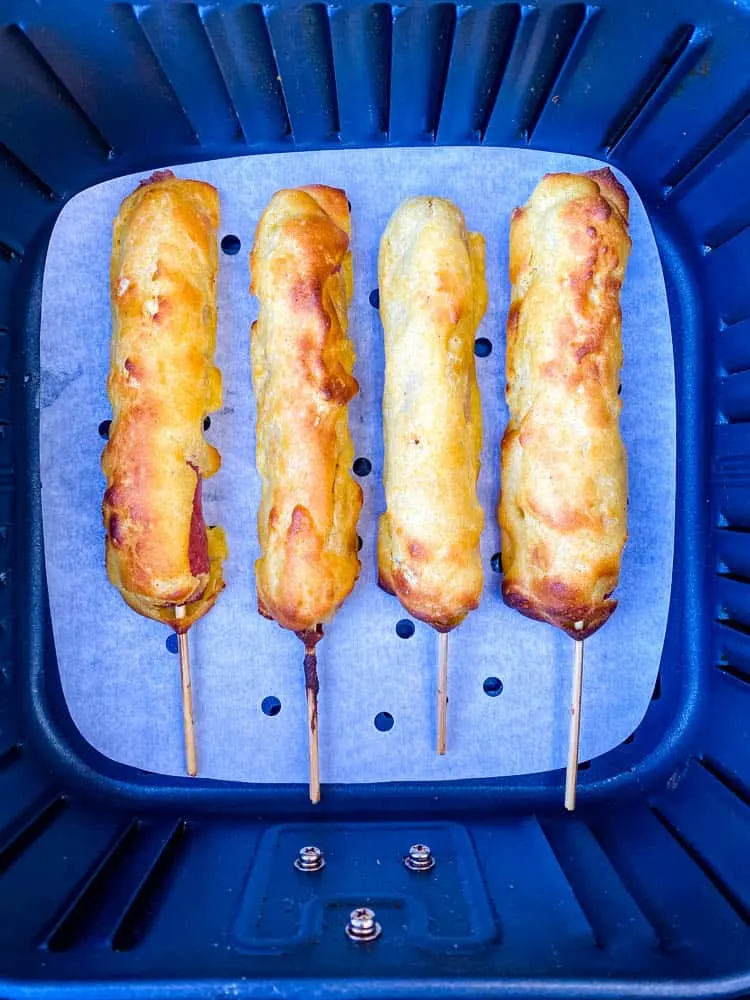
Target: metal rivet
{"points": [[362, 925], [419, 859], [310, 859]]}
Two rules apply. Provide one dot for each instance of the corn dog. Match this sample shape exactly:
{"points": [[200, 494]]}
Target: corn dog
{"points": [[563, 501], [302, 362], [162, 383], [432, 298]]}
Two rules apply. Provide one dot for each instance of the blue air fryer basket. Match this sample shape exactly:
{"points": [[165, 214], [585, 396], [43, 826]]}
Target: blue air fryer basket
{"points": [[114, 882]]}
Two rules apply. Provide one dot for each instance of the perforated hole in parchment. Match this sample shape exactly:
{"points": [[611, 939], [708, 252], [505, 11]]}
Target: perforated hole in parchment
{"points": [[362, 467], [270, 705], [231, 245], [384, 722]]}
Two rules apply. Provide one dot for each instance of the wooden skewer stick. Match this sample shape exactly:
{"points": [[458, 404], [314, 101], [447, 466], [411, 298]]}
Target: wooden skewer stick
{"points": [[442, 705], [188, 723], [574, 735], [312, 686]]}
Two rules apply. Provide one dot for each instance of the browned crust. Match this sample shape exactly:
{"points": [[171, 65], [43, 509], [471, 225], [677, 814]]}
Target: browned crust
{"points": [[162, 383], [302, 374], [562, 613], [429, 608], [432, 298], [563, 500], [611, 189]]}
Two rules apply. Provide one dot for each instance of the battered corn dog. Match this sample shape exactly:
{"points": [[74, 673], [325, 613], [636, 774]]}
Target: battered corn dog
{"points": [[162, 383], [433, 296], [563, 502], [302, 363]]}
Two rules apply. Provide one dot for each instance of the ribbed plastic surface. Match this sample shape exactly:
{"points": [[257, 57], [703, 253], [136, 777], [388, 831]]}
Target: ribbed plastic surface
{"points": [[116, 883]]}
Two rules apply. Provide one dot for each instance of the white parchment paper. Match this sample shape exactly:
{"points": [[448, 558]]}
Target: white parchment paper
{"points": [[119, 677]]}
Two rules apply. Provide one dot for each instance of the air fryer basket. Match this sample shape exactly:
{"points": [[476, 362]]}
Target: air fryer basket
{"points": [[113, 881]]}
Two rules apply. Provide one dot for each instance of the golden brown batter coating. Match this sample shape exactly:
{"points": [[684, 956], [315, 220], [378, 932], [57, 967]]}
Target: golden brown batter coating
{"points": [[302, 364], [563, 499], [432, 298], [162, 383]]}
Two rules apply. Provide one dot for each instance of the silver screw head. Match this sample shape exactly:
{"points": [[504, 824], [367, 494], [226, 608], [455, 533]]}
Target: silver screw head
{"points": [[362, 925], [419, 859], [310, 859]]}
